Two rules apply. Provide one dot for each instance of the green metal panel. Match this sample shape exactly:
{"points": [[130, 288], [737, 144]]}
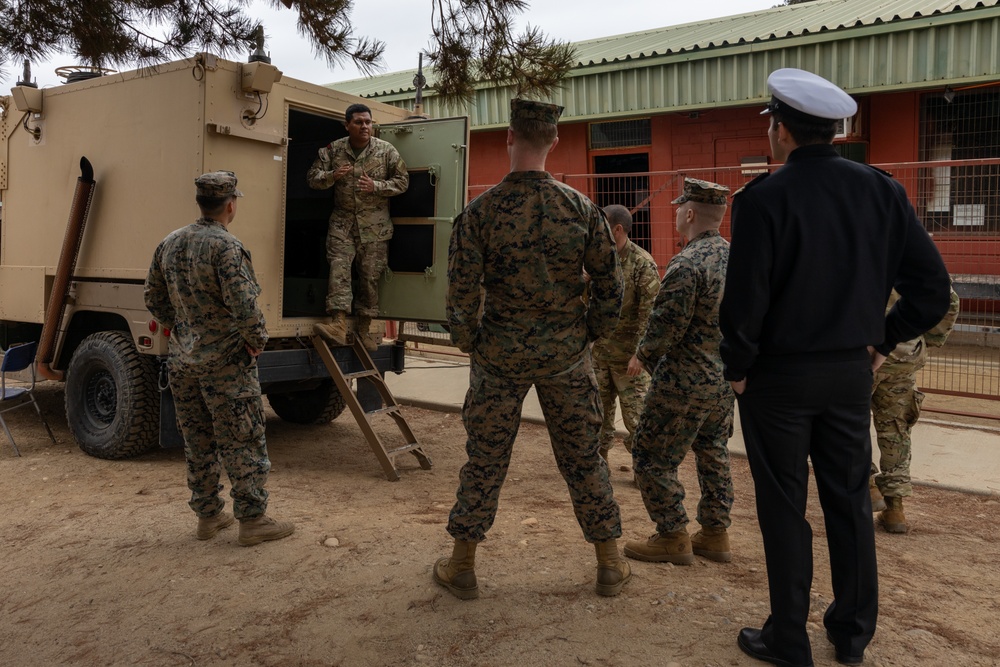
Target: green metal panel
{"points": [[436, 154], [863, 46]]}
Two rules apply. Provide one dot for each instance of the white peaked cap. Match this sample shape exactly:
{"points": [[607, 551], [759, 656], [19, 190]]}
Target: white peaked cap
{"points": [[809, 94]]}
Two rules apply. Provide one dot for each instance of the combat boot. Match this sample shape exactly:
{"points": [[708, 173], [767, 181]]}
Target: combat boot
{"points": [[364, 334], [878, 502], [209, 526], [713, 544], [892, 517], [612, 571], [263, 529], [334, 331], [672, 547], [458, 573]]}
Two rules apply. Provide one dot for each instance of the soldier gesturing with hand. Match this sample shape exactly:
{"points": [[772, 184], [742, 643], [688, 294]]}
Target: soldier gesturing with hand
{"points": [[364, 172]]}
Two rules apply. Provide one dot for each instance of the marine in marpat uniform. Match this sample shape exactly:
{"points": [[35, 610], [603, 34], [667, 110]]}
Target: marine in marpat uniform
{"points": [[611, 353], [524, 245], [895, 409], [201, 286], [690, 405], [816, 248], [364, 171]]}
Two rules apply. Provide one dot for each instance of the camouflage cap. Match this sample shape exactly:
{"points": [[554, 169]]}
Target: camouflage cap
{"points": [[704, 192], [531, 110], [217, 184]]}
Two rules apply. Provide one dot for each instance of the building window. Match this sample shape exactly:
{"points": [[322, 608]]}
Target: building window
{"points": [[627, 184], [620, 134], [954, 126]]}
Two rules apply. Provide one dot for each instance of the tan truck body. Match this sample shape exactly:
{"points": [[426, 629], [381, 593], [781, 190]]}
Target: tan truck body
{"points": [[148, 134]]}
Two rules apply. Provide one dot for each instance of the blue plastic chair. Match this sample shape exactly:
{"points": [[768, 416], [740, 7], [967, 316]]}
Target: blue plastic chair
{"points": [[17, 358]]}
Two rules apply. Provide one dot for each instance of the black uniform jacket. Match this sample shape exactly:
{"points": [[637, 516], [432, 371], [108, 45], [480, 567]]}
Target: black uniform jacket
{"points": [[816, 248]]}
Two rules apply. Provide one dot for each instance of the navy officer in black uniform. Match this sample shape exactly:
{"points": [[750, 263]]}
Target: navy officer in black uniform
{"points": [[816, 248]]}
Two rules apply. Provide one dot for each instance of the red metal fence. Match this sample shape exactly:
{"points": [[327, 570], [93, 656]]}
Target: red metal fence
{"points": [[958, 202]]}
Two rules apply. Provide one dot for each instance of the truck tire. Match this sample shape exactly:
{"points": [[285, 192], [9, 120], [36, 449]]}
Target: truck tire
{"points": [[311, 406], [112, 401]]}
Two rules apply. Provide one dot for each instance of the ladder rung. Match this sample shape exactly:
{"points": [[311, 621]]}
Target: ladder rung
{"points": [[361, 374], [379, 411], [385, 456], [405, 448]]}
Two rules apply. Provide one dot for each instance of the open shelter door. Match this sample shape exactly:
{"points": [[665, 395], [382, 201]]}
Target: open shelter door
{"points": [[415, 284]]}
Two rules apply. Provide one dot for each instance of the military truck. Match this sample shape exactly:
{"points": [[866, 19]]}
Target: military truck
{"points": [[118, 152]]}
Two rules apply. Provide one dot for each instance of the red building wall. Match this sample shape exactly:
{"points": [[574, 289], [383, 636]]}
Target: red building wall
{"points": [[888, 123], [716, 137], [893, 128], [489, 163]]}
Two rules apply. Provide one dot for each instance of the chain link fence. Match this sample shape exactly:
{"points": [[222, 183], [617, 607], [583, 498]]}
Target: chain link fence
{"points": [[957, 200]]}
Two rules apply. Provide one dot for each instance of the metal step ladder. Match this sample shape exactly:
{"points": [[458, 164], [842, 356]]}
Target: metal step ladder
{"points": [[371, 374]]}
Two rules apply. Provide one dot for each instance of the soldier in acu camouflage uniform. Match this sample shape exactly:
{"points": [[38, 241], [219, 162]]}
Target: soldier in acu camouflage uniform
{"points": [[895, 409], [526, 243], [612, 352], [202, 287], [364, 172], [690, 404]]}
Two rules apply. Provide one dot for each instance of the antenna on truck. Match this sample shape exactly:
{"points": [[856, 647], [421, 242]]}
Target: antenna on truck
{"points": [[258, 55], [26, 76], [419, 81]]}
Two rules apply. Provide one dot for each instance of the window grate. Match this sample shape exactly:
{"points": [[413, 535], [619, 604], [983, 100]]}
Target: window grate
{"points": [[620, 134], [960, 125]]}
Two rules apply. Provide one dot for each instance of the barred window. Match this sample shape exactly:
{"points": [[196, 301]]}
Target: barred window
{"points": [[961, 125], [620, 134]]}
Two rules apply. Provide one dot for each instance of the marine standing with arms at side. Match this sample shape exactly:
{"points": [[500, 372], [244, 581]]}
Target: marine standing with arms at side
{"points": [[611, 353], [364, 171], [525, 244], [817, 247], [202, 287], [690, 405]]}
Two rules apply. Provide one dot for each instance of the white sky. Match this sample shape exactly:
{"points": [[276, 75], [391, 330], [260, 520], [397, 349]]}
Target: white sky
{"points": [[404, 25]]}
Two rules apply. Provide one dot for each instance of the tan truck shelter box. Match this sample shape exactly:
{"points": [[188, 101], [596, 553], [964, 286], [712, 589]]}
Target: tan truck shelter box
{"points": [[148, 134]]}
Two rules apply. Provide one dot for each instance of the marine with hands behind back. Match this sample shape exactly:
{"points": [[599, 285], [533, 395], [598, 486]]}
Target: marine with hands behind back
{"points": [[515, 305]]}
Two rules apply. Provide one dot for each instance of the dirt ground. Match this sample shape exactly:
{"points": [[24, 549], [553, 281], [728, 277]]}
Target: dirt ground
{"points": [[100, 566]]}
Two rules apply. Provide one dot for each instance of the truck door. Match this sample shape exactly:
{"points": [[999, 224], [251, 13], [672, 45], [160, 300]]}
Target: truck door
{"points": [[415, 284]]}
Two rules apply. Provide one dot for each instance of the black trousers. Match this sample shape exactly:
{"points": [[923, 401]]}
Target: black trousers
{"points": [[815, 407]]}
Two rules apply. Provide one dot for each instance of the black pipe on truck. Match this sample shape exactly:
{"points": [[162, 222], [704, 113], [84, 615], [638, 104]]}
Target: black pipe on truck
{"points": [[56, 307]]}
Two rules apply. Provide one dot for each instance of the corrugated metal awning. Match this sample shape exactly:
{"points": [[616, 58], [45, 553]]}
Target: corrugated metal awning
{"points": [[862, 45]]}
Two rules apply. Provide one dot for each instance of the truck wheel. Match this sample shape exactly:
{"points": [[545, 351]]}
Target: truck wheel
{"points": [[311, 406], [112, 402]]}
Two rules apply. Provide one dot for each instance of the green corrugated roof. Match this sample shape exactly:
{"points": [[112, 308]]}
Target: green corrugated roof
{"points": [[767, 25]]}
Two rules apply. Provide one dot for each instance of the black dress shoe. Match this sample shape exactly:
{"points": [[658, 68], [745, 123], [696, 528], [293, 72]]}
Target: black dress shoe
{"points": [[750, 643], [845, 658]]}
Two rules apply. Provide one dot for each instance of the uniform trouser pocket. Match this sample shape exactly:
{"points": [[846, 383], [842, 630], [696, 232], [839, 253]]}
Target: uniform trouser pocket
{"points": [[244, 418]]}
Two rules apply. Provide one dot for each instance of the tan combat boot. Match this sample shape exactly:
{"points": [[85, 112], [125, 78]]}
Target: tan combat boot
{"points": [[263, 529], [364, 334], [335, 331], [209, 526], [458, 573], [673, 548], [612, 571], [878, 502], [892, 517], [713, 544]]}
